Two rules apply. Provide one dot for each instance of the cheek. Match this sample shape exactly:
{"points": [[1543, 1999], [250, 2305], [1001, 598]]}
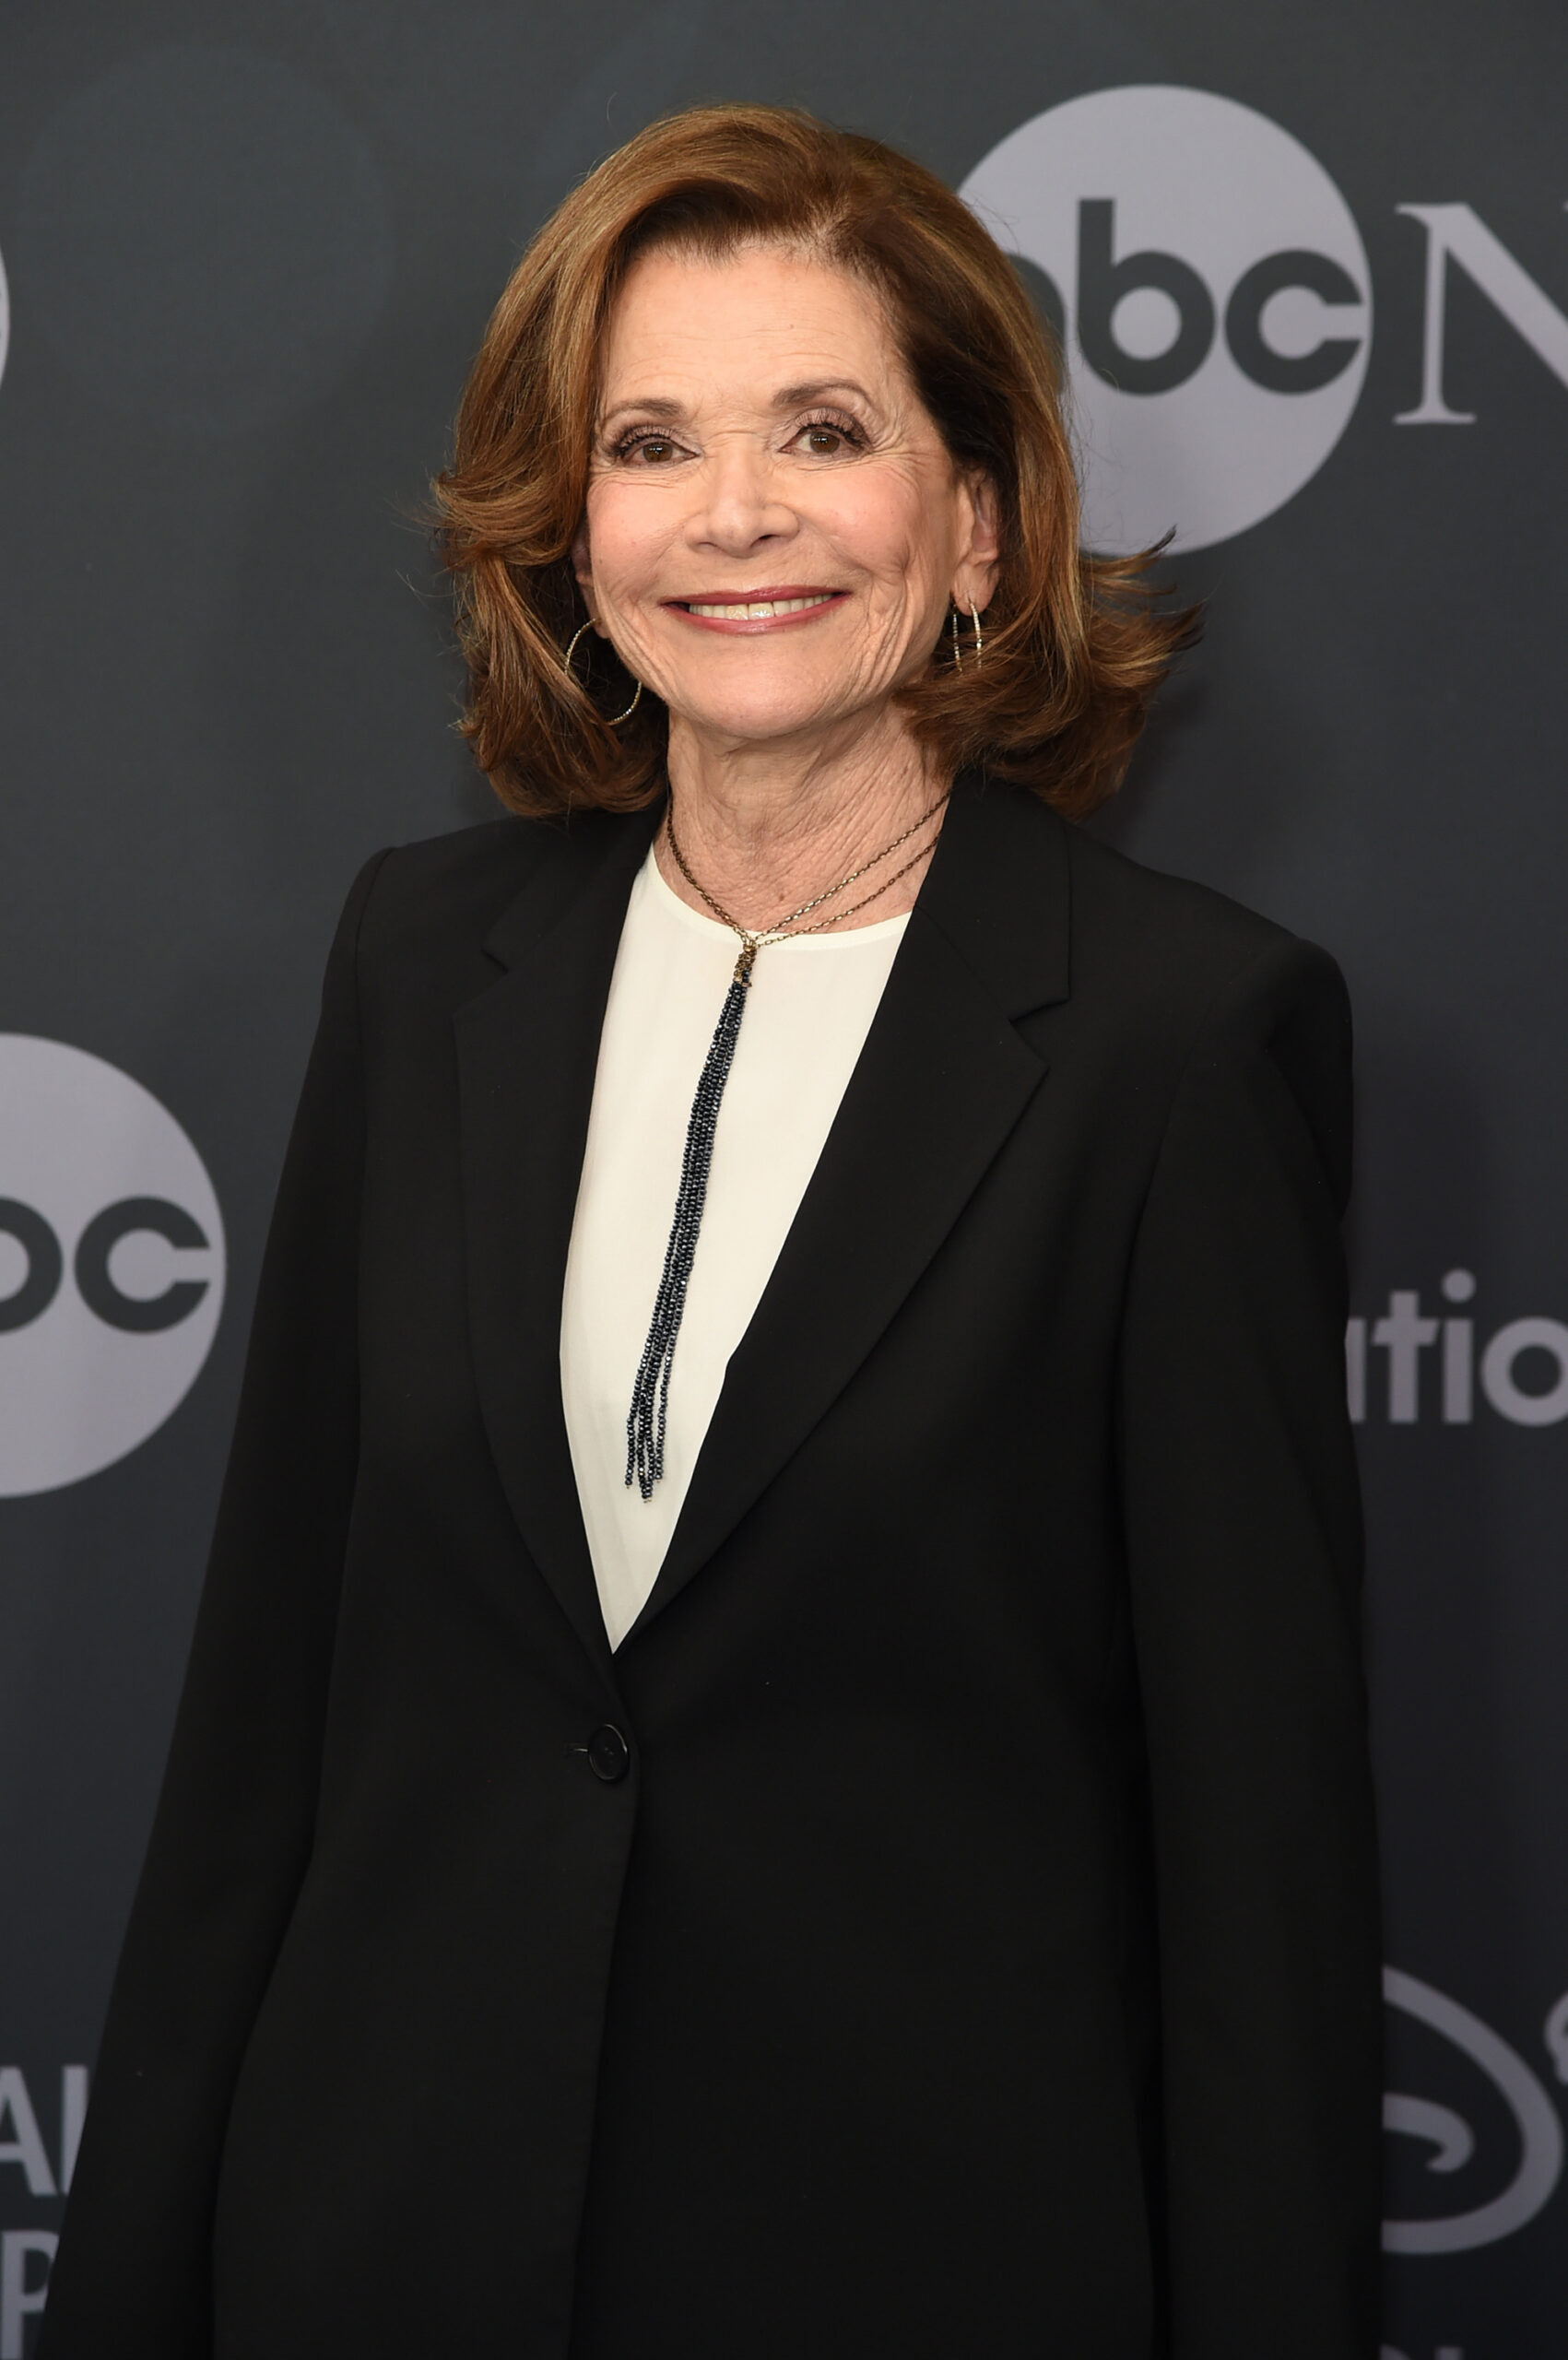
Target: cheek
{"points": [[625, 537], [894, 529]]}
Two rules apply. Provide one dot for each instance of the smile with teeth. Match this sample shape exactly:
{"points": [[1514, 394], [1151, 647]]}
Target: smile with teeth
{"points": [[759, 609]]}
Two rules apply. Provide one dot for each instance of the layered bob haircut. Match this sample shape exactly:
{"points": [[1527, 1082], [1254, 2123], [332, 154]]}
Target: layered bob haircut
{"points": [[1075, 645]]}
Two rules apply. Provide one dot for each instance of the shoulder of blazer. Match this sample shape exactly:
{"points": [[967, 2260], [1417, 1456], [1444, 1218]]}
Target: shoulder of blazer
{"points": [[1215, 986], [460, 897], [1165, 943], [1049, 915]]}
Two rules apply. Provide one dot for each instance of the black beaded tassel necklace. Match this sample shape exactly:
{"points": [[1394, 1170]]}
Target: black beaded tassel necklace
{"points": [[650, 1397]]}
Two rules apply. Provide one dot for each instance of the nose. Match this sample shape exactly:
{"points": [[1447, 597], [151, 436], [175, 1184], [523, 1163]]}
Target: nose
{"points": [[741, 508]]}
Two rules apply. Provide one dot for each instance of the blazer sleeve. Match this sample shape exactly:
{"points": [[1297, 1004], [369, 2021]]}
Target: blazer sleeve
{"points": [[233, 1827], [1241, 1517]]}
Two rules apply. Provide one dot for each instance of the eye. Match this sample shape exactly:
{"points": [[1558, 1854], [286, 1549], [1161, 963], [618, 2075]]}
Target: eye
{"points": [[645, 447], [828, 437]]}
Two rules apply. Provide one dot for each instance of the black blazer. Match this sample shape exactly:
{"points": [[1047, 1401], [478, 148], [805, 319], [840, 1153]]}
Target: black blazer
{"points": [[968, 1945]]}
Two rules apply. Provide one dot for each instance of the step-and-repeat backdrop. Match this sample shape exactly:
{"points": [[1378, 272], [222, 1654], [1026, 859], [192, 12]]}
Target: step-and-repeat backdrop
{"points": [[1311, 266]]}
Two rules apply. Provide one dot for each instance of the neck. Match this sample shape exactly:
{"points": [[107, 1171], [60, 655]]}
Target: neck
{"points": [[766, 827]]}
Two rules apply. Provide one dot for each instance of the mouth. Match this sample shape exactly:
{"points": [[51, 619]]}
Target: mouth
{"points": [[755, 610]]}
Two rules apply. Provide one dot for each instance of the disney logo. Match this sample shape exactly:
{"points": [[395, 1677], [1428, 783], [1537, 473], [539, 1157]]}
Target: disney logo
{"points": [[1450, 2137]]}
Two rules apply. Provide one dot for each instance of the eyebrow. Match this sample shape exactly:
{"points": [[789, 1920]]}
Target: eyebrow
{"points": [[652, 407], [792, 395], [788, 397]]}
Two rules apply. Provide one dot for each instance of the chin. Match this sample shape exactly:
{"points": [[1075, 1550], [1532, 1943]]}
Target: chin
{"points": [[762, 717]]}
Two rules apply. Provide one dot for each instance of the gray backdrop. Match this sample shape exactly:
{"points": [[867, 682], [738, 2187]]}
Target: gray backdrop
{"points": [[250, 249]]}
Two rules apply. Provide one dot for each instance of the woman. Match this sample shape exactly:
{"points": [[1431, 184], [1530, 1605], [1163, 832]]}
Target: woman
{"points": [[774, 1755]]}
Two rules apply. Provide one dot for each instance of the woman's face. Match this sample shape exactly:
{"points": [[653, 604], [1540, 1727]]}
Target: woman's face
{"points": [[774, 527]]}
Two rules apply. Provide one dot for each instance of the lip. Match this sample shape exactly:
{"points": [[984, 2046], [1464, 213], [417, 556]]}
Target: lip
{"points": [[752, 626]]}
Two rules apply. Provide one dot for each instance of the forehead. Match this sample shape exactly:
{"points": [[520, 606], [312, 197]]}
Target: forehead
{"points": [[748, 323]]}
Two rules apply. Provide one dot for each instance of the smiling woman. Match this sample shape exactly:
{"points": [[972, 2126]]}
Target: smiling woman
{"points": [[734, 464], [916, 352], [774, 1761]]}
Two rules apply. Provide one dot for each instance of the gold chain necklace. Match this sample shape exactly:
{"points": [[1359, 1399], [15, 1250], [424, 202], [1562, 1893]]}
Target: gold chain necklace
{"points": [[751, 940]]}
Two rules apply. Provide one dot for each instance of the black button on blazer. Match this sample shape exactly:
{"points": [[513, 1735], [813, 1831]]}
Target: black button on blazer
{"points": [[947, 1926]]}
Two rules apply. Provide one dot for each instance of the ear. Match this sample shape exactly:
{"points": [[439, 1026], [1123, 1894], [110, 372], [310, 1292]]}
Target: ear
{"points": [[980, 552], [583, 567]]}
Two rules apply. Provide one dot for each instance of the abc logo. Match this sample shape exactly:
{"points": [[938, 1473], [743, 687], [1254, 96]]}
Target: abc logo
{"points": [[110, 1264], [1210, 293]]}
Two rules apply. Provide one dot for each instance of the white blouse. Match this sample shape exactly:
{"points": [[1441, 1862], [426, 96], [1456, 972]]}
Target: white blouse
{"points": [[808, 1012]]}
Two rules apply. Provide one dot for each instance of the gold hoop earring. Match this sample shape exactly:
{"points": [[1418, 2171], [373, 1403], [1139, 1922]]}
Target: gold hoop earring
{"points": [[616, 719], [979, 642]]}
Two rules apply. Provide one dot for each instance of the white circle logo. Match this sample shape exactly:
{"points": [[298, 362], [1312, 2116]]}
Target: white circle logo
{"points": [[110, 1264], [1211, 292]]}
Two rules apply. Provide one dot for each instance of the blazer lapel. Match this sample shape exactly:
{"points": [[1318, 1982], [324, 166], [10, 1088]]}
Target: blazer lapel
{"points": [[943, 1079], [528, 1051]]}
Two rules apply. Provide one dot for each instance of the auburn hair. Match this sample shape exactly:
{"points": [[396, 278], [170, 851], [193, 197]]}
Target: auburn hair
{"points": [[1075, 645]]}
